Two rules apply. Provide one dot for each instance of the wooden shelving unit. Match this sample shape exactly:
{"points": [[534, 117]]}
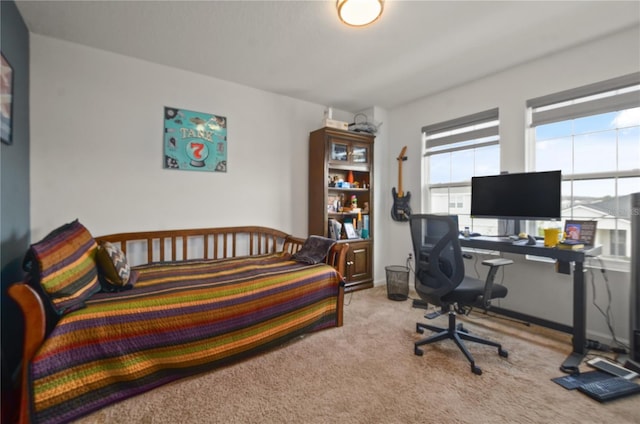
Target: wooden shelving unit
{"points": [[334, 156]]}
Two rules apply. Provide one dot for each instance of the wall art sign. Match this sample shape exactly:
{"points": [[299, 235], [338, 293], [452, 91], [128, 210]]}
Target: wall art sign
{"points": [[6, 101], [194, 141]]}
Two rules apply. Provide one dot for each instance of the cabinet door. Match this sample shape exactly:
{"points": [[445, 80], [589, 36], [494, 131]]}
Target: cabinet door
{"points": [[359, 154], [339, 152], [349, 153], [359, 272]]}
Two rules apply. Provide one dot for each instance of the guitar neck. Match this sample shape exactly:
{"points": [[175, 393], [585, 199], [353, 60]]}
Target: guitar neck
{"points": [[401, 158], [400, 192]]}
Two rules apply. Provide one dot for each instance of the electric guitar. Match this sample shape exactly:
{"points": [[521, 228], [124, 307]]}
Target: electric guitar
{"points": [[401, 209]]}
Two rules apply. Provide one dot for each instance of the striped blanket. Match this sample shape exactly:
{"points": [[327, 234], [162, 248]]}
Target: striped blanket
{"points": [[181, 318]]}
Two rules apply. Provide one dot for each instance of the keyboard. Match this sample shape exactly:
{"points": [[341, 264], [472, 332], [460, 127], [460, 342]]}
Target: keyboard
{"points": [[609, 389], [497, 239]]}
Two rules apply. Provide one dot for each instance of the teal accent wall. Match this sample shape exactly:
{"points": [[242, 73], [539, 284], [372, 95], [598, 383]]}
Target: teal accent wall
{"points": [[14, 181]]}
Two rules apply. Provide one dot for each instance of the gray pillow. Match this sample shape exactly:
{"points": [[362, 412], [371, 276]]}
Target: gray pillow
{"points": [[314, 250], [113, 264]]}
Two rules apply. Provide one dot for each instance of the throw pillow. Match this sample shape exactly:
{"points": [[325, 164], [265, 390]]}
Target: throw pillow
{"points": [[63, 264], [112, 264], [314, 250]]}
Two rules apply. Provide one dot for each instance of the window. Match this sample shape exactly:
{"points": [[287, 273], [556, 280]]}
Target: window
{"points": [[455, 151], [592, 134]]}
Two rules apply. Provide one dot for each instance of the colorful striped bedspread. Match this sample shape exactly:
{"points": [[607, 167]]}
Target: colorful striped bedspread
{"points": [[180, 319]]}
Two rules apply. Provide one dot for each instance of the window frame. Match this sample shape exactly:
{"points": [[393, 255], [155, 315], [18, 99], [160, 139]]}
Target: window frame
{"points": [[467, 132], [594, 99]]}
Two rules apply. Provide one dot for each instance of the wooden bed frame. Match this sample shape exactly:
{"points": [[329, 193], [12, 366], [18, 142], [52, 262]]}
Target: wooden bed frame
{"points": [[167, 245]]}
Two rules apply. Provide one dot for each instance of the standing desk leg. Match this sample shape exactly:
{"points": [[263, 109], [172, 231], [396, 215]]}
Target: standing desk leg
{"points": [[573, 361]]}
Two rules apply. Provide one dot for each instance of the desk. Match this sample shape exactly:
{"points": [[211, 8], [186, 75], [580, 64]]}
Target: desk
{"points": [[579, 291]]}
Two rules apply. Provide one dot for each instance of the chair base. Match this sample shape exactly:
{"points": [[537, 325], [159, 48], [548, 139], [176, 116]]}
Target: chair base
{"points": [[457, 334]]}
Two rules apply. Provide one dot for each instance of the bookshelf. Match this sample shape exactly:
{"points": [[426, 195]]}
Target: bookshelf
{"points": [[341, 192]]}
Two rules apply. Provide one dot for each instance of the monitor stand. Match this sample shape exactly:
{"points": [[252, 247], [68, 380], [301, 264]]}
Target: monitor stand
{"points": [[511, 229], [508, 227], [572, 363]]}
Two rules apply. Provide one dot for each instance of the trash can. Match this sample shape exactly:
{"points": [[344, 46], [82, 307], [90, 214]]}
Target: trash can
{"points": [[397, 282]]}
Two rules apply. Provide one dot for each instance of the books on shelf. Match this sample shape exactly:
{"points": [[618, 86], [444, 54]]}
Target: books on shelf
{"points": [[335, 229], [570, 245]]}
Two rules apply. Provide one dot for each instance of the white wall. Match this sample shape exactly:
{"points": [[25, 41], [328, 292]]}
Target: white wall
{"points": [[534, 288], [96, 147]]}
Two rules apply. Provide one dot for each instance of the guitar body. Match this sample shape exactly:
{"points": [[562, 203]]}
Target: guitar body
{"points": [[400, 211]]}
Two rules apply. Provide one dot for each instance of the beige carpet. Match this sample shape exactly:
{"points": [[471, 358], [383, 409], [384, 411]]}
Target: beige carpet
{"points": [[366, 372]]}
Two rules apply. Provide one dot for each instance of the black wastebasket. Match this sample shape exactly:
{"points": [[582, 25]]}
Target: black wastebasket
{"points": [[397, 282]]}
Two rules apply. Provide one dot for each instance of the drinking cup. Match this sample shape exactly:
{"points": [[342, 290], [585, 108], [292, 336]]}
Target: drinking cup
{"points": [[551, 237]]}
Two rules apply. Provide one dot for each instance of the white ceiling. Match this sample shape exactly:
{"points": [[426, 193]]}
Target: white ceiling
{"points": [[300, 49]]}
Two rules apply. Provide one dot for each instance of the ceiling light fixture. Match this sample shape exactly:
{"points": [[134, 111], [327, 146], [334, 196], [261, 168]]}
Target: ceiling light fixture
{"points": [[359, 13]]}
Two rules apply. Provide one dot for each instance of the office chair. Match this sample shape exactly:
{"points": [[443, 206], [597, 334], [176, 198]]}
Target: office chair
{"points": [[440, 280]]}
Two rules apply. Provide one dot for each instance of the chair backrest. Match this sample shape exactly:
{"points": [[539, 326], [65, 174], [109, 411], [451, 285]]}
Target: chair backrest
{"points": [[438, 257]]}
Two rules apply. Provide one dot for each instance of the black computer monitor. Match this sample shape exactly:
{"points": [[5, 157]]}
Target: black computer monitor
{"points": [[528, 195]]}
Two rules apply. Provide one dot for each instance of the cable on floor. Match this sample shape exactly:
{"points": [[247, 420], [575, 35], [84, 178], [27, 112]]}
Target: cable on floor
{"points": [[608, 316]]}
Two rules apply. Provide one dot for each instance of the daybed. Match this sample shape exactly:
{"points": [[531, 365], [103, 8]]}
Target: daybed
{"points": [[202, 298]]}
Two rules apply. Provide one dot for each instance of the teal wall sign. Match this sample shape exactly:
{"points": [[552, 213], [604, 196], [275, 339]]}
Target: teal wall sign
{"points": [[194, 141]]}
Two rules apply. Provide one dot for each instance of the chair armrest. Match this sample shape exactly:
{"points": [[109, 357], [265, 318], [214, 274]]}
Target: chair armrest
{"points": [[494, 265], [497, 262]]}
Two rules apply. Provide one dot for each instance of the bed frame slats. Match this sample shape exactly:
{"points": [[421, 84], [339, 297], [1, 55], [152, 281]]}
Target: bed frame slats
{"points": [[204, 243]]}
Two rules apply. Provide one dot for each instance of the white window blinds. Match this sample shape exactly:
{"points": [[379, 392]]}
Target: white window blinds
{"points": [[467, 132], [602, 97]]}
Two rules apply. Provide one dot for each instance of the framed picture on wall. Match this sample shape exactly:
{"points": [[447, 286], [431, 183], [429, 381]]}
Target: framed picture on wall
{"points": [[6, 100], [194, 141]]}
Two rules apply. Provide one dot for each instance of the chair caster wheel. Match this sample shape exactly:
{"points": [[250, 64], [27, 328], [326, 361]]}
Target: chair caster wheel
{"points": [[476, 370], [418, 351], [419, 329], [503, 353]]}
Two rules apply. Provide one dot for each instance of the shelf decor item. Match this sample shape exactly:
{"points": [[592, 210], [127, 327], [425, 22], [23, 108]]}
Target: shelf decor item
{"points": [[361, 124], [194, 141], [6, 108], [350, 231], [581, 231]]}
